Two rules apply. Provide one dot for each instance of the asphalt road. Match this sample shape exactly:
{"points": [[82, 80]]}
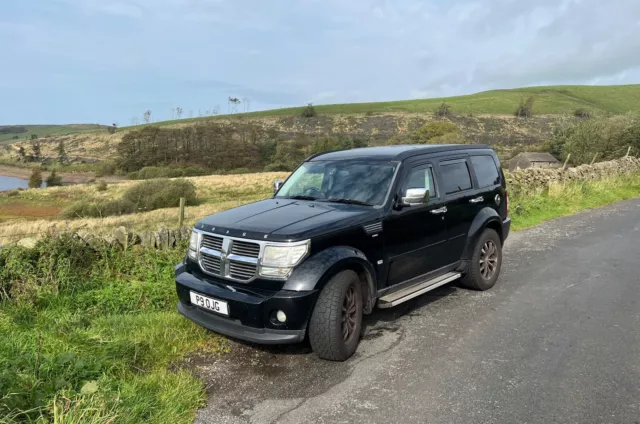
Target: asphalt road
{"points": [[557, 340]]}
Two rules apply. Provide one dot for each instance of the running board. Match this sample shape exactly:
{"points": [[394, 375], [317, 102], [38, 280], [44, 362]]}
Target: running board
{"points": [[403, 295]]}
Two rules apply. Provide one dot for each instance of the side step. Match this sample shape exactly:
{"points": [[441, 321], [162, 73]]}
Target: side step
{"points": [[403, 295]]}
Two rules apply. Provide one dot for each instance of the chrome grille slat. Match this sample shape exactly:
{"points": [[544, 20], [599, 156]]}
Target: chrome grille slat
{"points": [[244, 248], [241, 270], [211, 264], [212, 242]]}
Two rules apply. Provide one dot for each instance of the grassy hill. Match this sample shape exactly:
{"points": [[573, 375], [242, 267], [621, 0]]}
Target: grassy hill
{"points": [[24, 132]]}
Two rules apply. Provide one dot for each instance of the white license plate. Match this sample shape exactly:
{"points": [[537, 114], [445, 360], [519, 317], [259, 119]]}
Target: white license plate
{"points": [[209, 304]]}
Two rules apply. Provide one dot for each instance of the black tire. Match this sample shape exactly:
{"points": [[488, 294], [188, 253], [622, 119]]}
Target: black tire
{"points": [[326, 327], [477, 277]]}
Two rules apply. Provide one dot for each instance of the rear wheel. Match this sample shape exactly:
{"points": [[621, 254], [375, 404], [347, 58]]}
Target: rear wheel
{"points": [[336, 321], [486, 262]]}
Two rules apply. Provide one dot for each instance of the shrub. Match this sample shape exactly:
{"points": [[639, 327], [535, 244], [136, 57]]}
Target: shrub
{"points": [[582, 113], [84, 209], [35, 180], [101, 185], [276, 167], [309, 111], [54, 180], [443, 110], [429, 132], [157, 194], [13, 193], [525, 109], [106, 168], [239, 171]]}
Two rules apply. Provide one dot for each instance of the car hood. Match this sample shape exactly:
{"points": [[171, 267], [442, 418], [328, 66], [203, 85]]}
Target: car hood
{"points": [[286, 219]]}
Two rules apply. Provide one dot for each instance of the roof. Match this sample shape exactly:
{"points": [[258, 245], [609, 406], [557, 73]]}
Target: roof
{"points": [[536, 157], [398, 152]]}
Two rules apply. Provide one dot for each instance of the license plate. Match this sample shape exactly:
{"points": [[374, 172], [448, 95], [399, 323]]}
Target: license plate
{"points": [[209, 304]]}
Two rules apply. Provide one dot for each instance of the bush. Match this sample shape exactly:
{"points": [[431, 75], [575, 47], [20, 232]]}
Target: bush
{"points": [[582, 113], [13, 193], [430, 132], [106, 168], [239, 171], [277, 167], [309, 111], [101, 185], [35, 180], [443, 110], [54, 180], [157, 194], [84, 209], [525, 109]]}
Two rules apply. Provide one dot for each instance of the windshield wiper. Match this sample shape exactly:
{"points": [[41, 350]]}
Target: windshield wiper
{"points": [[349, 201], [301, 197]]}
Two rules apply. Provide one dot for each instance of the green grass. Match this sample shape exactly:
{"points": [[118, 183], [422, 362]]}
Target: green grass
{"points": [[561, 199], [88, 336], [45, 131], [549, 100]]}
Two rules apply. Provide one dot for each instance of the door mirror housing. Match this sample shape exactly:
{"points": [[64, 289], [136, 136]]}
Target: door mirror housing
{"points": [[276, 185], [415, 196]]}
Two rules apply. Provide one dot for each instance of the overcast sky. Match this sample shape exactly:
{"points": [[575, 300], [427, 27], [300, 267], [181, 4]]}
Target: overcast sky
{"points": [[72, 61]]}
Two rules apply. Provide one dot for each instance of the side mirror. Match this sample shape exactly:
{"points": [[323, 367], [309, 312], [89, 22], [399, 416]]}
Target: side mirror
{"points": [[276, 185], [415, 196]]}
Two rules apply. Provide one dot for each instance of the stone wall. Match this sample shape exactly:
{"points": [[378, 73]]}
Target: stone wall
{"points": [[533, 178]]}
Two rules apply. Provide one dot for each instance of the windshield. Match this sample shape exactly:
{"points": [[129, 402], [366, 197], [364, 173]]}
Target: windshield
{"points": [[340, 181]]}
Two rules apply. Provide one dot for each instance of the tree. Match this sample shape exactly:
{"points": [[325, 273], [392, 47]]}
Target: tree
{"points": [[247, 104], [232, 104], [215, 111], [179, 112], [35, 148], [34, 136], [22, 153], [525, 109], [54, 180], [309, 111], [62, 153], [147, 116], [112, 129], [443, 110], [35, 180]]}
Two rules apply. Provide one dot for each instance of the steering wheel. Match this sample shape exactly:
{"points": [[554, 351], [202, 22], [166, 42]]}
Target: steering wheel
{"points": [[314, 192]]}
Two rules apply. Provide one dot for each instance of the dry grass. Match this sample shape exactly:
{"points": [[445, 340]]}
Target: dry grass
{"points": [[216, 193]]}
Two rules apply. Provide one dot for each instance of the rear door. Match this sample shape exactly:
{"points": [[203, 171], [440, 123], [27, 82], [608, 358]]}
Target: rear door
{"points": [[460, 198], [489, 190]]}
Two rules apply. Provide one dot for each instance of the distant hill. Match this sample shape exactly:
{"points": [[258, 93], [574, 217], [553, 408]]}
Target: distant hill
{"points": [[13, 133]]}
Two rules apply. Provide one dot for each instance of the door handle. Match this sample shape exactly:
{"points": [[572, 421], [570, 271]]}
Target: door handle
{"points": [[477, 200], [439, 211]]}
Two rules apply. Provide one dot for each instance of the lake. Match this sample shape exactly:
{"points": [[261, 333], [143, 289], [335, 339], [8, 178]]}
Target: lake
{"points": [[11, 183]]}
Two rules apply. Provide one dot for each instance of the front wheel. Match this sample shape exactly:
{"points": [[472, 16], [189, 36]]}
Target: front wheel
{"points": [[486, 262], [336, 321]]}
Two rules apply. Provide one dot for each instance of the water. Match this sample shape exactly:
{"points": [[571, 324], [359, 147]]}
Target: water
{"points": [[12, 183]]}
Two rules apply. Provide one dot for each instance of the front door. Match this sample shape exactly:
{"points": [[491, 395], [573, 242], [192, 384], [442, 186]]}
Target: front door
{"points": [[415, 235]]}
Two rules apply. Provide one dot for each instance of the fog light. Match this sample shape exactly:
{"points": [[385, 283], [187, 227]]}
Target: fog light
{"points": [[281, 316]]}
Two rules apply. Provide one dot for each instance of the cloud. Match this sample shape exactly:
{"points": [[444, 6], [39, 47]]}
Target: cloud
{"points": [[145, 53]]}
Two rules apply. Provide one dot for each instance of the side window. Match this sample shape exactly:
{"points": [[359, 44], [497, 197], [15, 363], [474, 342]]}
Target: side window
{"points": [[486, 170], [455, 176], [421, 177]]}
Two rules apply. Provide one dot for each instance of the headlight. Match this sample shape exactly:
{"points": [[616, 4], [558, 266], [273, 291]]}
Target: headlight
{"points": [[284, 256], [278, 261], [194, 242]]}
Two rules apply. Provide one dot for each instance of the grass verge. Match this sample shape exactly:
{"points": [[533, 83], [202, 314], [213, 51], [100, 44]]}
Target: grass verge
{"points": [[532, 207], [88, 333]]}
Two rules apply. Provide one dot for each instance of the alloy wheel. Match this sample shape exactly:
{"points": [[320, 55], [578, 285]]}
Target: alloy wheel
{"points": [[349, 312], [488, 260]]}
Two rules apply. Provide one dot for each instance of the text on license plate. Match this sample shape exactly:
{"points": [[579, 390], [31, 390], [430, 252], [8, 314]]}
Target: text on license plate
{"points": [[208, 303]]}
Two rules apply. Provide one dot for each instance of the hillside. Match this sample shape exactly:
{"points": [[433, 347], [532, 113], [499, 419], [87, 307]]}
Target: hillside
{"points": [[13, 133]]}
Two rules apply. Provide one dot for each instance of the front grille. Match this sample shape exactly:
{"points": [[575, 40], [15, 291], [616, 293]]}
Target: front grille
{"points": [[241, 270], [211, 264], [244, 248], [211, 242]]}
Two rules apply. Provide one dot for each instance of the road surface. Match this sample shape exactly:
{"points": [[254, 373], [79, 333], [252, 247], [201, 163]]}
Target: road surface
{"points": [[556, 341]]}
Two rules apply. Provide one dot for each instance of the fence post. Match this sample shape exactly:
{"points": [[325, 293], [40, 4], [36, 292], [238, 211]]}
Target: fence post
{"points": [[628, 151], [181, 219], [566, 162], [594, 159]]}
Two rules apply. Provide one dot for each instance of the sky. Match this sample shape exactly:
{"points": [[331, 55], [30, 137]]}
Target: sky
{"points": [[108, 61]]}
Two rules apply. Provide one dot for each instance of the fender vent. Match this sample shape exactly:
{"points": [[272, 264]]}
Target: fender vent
{"points": [[374, 228]]}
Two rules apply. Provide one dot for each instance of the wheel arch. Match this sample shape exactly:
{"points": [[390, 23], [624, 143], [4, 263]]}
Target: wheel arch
{"points": [[486, 218], [316, 271]]}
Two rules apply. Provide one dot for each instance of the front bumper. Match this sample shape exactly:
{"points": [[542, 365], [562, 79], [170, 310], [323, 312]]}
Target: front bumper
{"points": [[251, 310]]}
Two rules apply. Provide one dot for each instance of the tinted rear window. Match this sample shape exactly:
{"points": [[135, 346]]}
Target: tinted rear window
{"points": [[486, 170], [455, 177]]}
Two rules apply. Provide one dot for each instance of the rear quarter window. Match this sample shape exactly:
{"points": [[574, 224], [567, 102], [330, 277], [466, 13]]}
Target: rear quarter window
{"points": [[486, 170]]}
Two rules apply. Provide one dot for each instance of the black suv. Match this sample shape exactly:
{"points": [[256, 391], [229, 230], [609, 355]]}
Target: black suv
{"points": [[347, 231]]}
